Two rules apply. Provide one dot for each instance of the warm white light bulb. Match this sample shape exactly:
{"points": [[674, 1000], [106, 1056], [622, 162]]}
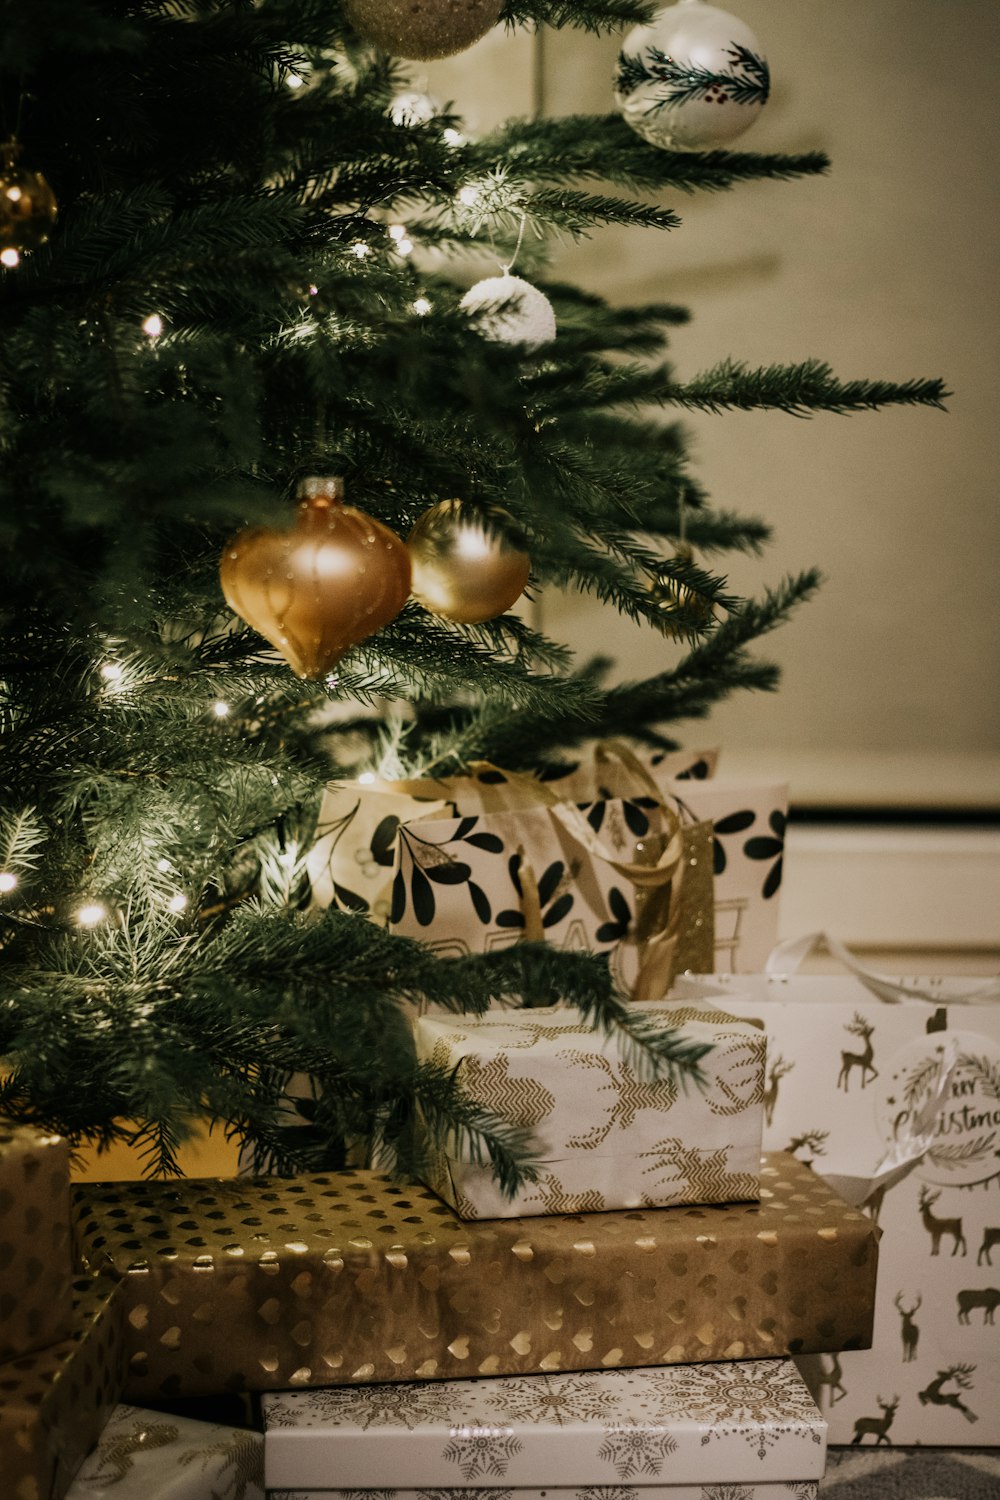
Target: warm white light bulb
{"points": [[91, 914], [294, 80], [177, 902], [422, 307], [397, 231], [452, 137], [361, 249], [220, 709], [111, 672], [10, 258], [404, 247], [7, 881], [468, 195], [366, 778], [164, 866], [153, 325]]}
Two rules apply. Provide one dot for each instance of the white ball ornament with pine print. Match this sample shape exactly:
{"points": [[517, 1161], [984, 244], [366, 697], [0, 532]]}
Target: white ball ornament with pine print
{"points": [[512, 311], [693, 79]]}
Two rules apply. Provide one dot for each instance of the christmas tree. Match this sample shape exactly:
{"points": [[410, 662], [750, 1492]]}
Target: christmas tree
{"points": [[255, 280]]}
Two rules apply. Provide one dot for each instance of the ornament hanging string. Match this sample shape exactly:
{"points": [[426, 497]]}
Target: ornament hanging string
{"points": [[506, 269]]}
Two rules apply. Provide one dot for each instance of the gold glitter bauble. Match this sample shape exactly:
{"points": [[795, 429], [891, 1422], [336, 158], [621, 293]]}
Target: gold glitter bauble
{"points": [[28, 207], [672, 596], [331, 580], [461, 571], [423, 28]]}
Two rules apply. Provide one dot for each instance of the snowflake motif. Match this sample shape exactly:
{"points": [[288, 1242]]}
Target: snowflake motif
{"points": [[607, 1492], [726, 1492], [803, 1489], [764, 1402], [482, 1450], [561, 1400], [636, 1450], [406, 1406], [459, 1494], [368, 1494]]}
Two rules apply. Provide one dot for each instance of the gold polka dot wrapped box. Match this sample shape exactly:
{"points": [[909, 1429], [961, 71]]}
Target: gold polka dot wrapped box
{"points": [[36, 1260], [600, 1435], [347, 1278], [55, 1402], [607, 1136]]}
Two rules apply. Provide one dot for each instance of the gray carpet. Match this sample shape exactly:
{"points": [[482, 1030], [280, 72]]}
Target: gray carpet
{"points": [[911, 1474]]}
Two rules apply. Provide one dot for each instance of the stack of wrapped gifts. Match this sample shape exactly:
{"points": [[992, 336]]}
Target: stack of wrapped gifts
{"points": [[625, 1323]]}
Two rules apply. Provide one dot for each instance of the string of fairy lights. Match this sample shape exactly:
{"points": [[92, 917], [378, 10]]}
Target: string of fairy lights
{"points": [[674, 104]]}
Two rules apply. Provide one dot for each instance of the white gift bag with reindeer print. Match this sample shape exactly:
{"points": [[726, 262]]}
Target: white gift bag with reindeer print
{"points": [[895, 1099]]}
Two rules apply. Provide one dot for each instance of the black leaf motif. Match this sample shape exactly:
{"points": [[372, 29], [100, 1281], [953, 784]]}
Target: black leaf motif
{"points": [[510, 918], [595, 815], [762, 847], [480, 902], [697, 772], [453, 873], [766, 847], [735, 822], [350, 899], [718, 857], [614, 931], [488, 841], [383, 844], [549, 882], [423, 897], [465, 827], [558, 909], [492, 778], [398, 898], [635, 818], [514, 866]]}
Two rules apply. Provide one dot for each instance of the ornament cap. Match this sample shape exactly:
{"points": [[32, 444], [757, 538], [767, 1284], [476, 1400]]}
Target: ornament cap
{"points": [[320, 492]]}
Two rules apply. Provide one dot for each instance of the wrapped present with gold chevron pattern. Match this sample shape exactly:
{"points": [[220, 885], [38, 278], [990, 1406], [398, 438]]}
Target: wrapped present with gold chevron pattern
{"points": [[606, 1136]]}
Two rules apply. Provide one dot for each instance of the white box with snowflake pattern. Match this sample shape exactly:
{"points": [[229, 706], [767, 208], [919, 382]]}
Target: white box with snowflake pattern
{"points": [[720, 1431]]}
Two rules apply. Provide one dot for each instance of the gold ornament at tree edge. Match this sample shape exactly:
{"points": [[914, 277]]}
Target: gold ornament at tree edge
{"points": [[461, 571], [329, 581], [423, 29], [28, 208], [673, 597]]}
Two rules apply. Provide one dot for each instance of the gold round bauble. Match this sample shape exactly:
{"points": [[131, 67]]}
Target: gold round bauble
{"points": [[423, 28], [461, 570], [28, 208], [674, 597], [329, 581]]}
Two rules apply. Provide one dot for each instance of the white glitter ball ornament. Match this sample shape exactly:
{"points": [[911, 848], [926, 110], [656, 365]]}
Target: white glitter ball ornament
{"points": [[513, 311], [693, 79]]}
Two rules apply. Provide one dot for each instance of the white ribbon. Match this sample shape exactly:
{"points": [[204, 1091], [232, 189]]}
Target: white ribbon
{"points": [[787, 958]]}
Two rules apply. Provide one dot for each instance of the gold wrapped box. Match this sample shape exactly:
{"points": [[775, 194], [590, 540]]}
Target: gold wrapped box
{"points": [[343, 1278], [54, 1403], [607, 1136], [36, 1261]]}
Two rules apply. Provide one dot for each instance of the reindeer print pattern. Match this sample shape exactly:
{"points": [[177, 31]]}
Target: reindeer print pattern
{"points": [[935, 1393], [861, 1060], [629, 1096]]}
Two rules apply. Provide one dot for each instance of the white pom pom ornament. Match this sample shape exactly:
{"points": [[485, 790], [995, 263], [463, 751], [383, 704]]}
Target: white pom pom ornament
{"points": [[693, 79], [514, 311]]}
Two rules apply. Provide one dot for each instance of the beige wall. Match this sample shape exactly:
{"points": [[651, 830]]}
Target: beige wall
{"points": [[886, 267]]}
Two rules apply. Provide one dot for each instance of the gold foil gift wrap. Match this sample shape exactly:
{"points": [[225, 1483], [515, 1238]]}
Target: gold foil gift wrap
{"points": [[54, 1403], [346, 1278], [36, 1265], [608, 1136]]}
